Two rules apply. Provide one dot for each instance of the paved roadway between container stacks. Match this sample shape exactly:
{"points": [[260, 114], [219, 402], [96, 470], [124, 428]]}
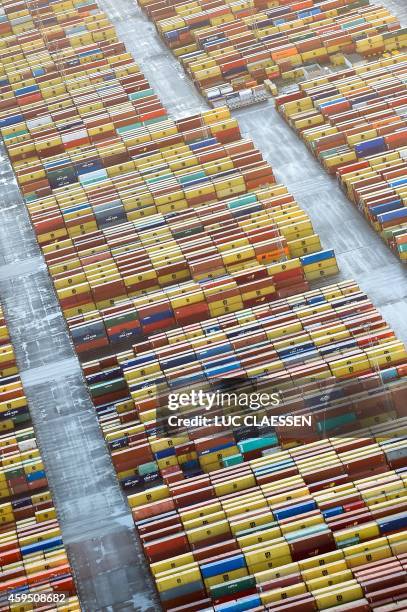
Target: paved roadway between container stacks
{"points": [[95, 520]]}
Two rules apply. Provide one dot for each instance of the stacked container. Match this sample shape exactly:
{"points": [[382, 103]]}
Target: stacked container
{"points": [[359, 133]]}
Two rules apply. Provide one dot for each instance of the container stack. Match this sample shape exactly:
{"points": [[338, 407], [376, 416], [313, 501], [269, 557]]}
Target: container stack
{"points": [[192, 268], [272, 534], [330, 340], [33, 559], [181, 263], [359, 134], [230, 47]]}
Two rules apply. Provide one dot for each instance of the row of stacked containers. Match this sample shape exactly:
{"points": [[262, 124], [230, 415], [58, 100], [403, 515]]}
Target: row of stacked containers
{"points": [[229, 46], [179, 261], [33, 559], [355, 123]]}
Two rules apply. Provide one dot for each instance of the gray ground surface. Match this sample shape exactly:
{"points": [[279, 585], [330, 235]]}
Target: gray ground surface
{"points": [[95, 520]]}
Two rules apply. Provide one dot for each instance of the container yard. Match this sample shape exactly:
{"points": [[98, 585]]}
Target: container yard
{"points": [[203, 305]]}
